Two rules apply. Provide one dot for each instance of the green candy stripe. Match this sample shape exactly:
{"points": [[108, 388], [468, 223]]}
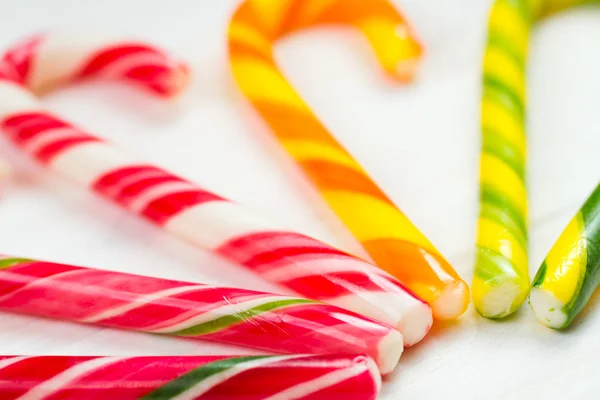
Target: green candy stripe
{"points": [[497, 39], [495, 144], [11, 262], [193, 378], [500, 217], [523, 9], [551, 7], [493, 267], [228, 320], [590, 213], [496, 89], [492, 197]]}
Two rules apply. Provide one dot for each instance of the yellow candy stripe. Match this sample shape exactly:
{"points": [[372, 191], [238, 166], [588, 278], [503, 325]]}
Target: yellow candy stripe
{"points": [[566, 261], [391, 240], [570, 273]]}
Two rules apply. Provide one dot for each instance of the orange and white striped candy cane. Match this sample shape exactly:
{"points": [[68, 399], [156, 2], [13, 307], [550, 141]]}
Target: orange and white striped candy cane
{"points": [[387, 235], [306, 266]]}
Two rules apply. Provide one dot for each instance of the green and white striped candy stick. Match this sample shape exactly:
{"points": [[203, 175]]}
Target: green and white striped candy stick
{"points": [[501, 279], [569, 275]]}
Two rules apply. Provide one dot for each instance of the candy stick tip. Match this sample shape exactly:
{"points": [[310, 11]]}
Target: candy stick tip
{"points": [[501, 300], [405, 70], [390, 349], [6, 171], [415, 323], [178, 81], [547, 308], [410, 316], [453, 301]]}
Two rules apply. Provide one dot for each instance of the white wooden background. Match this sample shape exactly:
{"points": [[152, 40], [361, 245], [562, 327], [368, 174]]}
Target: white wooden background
{"points": [[420, 142]]}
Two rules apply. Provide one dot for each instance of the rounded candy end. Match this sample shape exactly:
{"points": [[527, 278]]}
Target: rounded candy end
{"points": [[405, 70], [415, 323], [389, 351], [547, 308], [453, 301], [501, 299], [178, 81]]}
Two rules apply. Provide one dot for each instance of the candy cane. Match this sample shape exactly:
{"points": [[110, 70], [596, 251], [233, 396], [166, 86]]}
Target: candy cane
{"points": [[501, 279], [387, 235], [188, 377], [276, 323], [300, 263], [569, 275]]}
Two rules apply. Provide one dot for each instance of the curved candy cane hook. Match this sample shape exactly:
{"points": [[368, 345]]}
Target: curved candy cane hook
{"points": [[302, 264], [501, 279], [391, 240]]}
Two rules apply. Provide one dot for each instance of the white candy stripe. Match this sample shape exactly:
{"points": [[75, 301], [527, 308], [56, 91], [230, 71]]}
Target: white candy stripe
{"points": [[62, 55], [122, 309], [278, 240], [332, 331], [326, 265], [10, 361], [59, 381], [304, 389], [143, 174], [123, 65], [49, 136], [206, 384], [148, 195], [218, 312], [381, 306], [15, 100], [196, 311], [85, 162], [437, 268], [12, 277], [225, 219]]}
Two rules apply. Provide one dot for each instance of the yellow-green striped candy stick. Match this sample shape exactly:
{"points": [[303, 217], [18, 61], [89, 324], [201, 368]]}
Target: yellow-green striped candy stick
{"points": [[569, 275], [501, 279]]}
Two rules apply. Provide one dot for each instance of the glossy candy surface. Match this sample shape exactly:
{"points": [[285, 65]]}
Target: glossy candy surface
{"points": [[501, 279], [306, 266], [386, 234], [188, 377], [275, 323], [569, 275]]}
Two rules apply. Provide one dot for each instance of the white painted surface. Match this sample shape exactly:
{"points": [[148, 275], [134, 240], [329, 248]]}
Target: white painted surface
{"points": [[420, 143]]}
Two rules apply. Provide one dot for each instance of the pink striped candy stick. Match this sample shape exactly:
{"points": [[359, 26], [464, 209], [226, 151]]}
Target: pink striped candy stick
{"points": [[275, 323], [325, 377], [311, 268]]}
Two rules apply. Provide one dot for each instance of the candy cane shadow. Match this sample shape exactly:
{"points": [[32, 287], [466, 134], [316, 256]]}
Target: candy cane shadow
{"points": [[446, 334]]}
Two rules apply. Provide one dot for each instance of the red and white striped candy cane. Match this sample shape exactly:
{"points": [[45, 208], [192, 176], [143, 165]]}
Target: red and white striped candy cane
{"points": [[311, 268], [188, 377], [276, 323]]}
